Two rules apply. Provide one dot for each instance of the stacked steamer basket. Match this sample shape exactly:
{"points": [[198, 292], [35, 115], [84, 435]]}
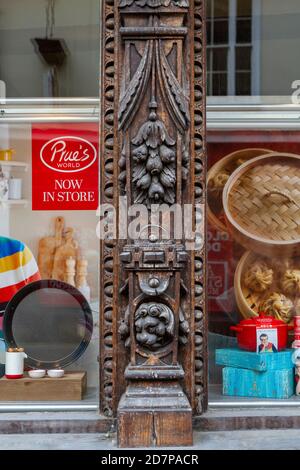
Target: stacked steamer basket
{"points": [[261, 203], [223, 251], [218, 176]]}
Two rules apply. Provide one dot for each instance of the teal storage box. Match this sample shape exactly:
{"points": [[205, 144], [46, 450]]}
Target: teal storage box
{"points": [[254, 361], [251, 383]]}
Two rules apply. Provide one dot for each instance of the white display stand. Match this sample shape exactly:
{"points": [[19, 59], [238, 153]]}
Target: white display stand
{"points": [[4, 220], [5, 207]]}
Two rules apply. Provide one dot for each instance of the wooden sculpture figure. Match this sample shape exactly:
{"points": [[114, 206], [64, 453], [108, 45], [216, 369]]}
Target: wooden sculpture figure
{"points": [[82, 271], [81, 279], [70, 271], [48, 247], [69, 249]]}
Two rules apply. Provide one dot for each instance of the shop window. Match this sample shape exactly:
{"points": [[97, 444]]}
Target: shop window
{"points": [[253, 150], [49, 106], [49, 48]]}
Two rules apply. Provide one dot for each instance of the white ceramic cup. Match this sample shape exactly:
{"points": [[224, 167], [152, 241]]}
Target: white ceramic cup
{"points": [[14, 365], [37, 373], [56, 373]]}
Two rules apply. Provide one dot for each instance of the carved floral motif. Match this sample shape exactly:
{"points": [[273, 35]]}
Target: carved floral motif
{"points": [[154, 155], [154, 172]]}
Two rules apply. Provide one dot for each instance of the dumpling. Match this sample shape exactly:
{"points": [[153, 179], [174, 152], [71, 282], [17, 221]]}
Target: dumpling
{"points": [[258, 277], [217, 182], [278, 306], [290, 282]]}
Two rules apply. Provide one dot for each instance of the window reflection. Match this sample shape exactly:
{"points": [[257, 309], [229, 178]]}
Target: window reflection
{"points": [[49, 48]]}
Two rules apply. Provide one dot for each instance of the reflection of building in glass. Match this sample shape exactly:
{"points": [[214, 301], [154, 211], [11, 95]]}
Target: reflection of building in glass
{"points": [[253, 47], [21, 67]]}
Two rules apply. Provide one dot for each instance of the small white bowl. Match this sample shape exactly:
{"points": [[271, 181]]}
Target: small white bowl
{"points": [[56, 373], [37, 373]]}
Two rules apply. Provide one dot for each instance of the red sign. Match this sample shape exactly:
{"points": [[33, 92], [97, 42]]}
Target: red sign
{"points": [[65, 167]]}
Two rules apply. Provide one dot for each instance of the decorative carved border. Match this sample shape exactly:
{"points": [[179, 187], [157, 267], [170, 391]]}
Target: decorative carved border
{"points": [[113, 355], [199, 170], [108, 272]]}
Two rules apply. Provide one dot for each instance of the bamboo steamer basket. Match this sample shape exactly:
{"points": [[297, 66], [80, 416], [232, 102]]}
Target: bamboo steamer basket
{"points": [[227, 165], [250, 302], [261, 202]]}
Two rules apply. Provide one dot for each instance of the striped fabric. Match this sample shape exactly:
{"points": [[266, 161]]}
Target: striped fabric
{"points": [[17, 268]]}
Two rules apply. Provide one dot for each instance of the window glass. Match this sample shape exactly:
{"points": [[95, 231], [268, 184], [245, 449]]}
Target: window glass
{"points": [[253, 83], [270, 32], [68, 29], [243, 31], [243, 58], [49, 102], [244, 8], [220, 8]]}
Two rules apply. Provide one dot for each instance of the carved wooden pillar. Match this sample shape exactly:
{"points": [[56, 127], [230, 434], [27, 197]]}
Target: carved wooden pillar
{"points": [[153, 341]]}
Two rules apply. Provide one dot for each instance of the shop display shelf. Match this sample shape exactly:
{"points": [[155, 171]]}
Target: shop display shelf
{"points": [[14, 164], [15, 202]]}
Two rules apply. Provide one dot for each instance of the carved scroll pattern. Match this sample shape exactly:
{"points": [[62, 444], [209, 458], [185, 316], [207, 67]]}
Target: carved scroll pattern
{"points": [[199, 198], [154, 325], [154, 153], [153, 3]]}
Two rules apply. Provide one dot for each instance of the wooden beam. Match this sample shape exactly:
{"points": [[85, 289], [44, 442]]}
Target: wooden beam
{"points": [[153, 323]]}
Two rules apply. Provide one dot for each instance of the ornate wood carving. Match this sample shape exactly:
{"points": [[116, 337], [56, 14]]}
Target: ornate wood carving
{"points": [[153, 147], [109, 254], [153, 3], [198, 274]]}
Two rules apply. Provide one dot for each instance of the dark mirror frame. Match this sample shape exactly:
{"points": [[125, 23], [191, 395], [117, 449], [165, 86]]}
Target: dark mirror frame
{"points": [[48, 284]]}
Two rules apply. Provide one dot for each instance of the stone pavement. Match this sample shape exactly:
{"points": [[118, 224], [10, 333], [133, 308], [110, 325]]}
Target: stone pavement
{"points": [[223, 440]]}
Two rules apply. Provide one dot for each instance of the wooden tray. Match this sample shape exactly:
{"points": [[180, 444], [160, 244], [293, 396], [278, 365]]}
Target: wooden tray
{"points": [[71, 387]]}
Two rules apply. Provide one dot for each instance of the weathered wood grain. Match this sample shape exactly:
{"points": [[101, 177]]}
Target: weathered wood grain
{"points": [[153, 152], [71, 387]]}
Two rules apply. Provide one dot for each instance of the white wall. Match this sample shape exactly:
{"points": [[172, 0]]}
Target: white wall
{"points": [[4, 221], [4, 211], [77, 22], [280, 46]]}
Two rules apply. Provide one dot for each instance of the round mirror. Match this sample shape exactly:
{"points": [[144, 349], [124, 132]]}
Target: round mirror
{"points": [[51, 320]]}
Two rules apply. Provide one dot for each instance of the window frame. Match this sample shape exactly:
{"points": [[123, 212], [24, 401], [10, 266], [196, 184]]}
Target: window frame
{"points": [[231, 58]]}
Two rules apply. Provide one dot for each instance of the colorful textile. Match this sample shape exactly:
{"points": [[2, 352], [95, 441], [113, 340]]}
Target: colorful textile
{"points": [[17, 269]]}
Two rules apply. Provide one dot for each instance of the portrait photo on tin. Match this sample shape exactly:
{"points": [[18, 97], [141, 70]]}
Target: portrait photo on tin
{"points": [[266, 340]]}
